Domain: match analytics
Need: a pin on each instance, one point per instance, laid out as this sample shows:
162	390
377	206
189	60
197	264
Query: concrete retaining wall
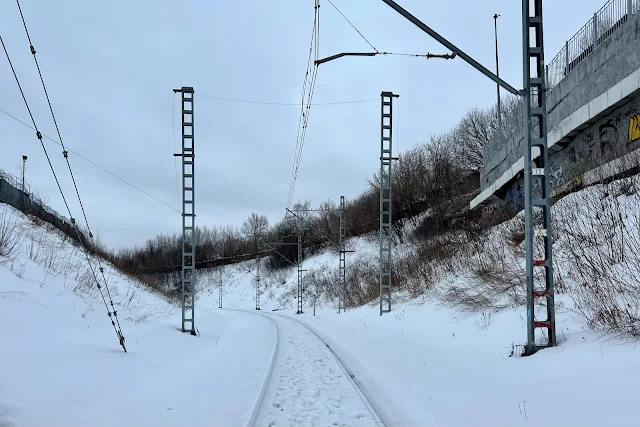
615	59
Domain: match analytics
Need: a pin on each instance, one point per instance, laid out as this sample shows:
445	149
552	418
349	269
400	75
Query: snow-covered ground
424	364
62	364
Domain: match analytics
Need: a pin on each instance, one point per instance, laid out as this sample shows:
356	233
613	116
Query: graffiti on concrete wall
587	149
515	198
634	128
556	177
608	133
490	210
607	139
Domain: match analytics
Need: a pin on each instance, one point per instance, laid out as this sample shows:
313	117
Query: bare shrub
600	251
9	239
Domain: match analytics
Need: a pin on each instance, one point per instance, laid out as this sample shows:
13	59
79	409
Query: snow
63	366
424	364
427	365
309	387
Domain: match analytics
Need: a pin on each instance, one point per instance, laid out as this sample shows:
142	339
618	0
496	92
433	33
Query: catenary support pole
386	229
299	265
535	134
342	285
257	282
188	213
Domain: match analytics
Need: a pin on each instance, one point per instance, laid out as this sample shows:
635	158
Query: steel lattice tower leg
257	283
535	131
386	157
342	286
188	213
299	270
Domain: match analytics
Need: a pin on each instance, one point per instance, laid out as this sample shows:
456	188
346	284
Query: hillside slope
63	366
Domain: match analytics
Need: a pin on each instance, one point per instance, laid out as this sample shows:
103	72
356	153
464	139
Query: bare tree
254	228
474	131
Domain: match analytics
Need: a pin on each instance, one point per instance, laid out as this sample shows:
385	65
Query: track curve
374	410
263	391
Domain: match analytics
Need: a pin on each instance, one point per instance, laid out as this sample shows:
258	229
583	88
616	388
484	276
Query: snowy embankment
62	364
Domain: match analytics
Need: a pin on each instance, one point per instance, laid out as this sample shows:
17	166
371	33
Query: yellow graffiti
634	128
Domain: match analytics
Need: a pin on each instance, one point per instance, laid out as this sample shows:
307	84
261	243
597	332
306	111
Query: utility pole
24	163
535	136
188	212
386	223
495	20
257	282
342	286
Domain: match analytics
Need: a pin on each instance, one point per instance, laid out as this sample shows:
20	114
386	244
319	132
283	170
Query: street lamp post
24	163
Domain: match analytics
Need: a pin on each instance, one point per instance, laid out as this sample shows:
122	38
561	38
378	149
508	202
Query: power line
73	179
305	110
117	329
247	101
64	151
427	55
38	134
80	238
90	161
354	27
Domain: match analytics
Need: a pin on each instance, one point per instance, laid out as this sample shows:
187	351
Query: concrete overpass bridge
593	107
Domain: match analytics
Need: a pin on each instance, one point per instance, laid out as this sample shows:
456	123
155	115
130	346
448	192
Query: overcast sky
110	68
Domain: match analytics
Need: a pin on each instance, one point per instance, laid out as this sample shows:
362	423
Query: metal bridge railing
14	181
604	22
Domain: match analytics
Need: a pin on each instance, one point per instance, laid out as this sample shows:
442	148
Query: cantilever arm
340	55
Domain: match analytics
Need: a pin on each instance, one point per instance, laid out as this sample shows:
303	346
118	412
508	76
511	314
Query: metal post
595	31
566	57
535	133
546	76
257	282
299	268
342	285
495	19
188	212
314	305
386	158
629	9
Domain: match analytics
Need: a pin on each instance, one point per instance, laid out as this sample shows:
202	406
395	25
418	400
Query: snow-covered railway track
259	401
375	412
305	387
